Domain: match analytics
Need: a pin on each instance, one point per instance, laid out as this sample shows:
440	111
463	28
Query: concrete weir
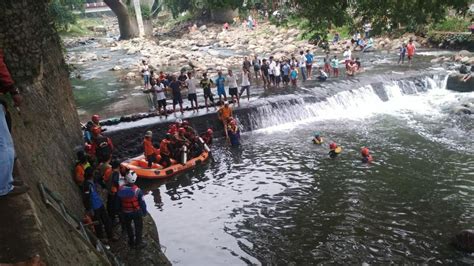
128	136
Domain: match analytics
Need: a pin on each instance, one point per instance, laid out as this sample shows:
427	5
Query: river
280	200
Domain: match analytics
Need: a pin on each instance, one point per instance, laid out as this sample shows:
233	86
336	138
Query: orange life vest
148	146
164	149
129	198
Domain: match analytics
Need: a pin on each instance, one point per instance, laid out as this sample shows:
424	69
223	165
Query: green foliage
146	12
62	12
385	15
195	6
455	24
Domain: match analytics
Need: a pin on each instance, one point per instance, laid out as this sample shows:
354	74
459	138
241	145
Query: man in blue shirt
309	63
95	207
286	73
220	83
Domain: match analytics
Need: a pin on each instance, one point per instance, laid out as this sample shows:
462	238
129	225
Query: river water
280	200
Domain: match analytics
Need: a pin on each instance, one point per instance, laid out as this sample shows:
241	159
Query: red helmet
95	119
88	148
209	131
181	130
96	131
364	151
332	146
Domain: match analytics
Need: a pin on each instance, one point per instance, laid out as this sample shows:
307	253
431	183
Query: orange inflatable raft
140	166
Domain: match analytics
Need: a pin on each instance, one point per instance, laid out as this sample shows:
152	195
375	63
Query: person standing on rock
220	83
286	72
146	74
192	96
233	87
175	86
309	63
245	84
8	187
410	51
246	64
133	209
401	53
256	66
271	68
302	64
347	56
335	66
277	73
159	90
206	85
367	29
265	74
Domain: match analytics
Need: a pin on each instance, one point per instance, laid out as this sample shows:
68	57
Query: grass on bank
452	24
80	28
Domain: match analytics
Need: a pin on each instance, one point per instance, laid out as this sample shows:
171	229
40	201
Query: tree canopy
62	12
178	6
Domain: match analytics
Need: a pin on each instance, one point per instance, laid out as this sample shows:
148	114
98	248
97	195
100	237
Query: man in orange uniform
410	51
150	150
224	114
81	165
165	151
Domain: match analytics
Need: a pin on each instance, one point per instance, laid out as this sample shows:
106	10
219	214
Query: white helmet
131	177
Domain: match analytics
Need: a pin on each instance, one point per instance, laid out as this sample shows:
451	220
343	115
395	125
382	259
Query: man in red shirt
8	187
410	51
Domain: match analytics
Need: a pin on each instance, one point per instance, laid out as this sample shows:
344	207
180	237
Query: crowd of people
110	195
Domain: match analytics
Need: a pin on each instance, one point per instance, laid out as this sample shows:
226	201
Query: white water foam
403	98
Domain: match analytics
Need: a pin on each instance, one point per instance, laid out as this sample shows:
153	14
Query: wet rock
100	29
464	53
116	68
131	75
203	28
464	59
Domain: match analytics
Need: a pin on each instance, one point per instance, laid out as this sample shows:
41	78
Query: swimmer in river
366	157
334	150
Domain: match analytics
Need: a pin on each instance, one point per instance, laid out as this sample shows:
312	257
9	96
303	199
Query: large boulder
464	53
456	84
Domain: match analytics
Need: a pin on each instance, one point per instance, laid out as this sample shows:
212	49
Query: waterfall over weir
347	104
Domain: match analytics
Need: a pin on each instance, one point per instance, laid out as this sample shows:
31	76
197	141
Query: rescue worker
133	209
112	184
190	132
366	157
88	132
81	165
165	151
207	136
95	207
102	147
224	113
334	150
150	150
234	133
317	138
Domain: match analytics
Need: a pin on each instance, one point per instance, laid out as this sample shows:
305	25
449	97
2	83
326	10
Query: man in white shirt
302	64
192	97
271	69
347	56
245	84
233	88
277	73
159	95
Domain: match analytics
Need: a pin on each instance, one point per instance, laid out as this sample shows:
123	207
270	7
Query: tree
121	10
62	12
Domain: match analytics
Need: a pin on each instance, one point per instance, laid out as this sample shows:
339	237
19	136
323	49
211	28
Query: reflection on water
280	200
